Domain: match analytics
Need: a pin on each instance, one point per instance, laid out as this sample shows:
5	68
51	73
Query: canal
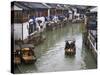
51	57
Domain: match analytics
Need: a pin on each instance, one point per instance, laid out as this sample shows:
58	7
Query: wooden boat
70	51
28	55
17	59
70	48
16	53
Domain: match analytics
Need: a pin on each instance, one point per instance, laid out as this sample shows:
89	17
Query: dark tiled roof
19	4
57	6
33	5
29	5
62	5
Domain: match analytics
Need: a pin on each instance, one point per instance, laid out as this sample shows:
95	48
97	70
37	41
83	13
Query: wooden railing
92	42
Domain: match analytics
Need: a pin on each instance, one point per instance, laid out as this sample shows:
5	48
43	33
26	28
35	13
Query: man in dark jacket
72	45
67	45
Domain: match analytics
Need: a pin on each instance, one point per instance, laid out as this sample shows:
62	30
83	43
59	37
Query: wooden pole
22	26
49	14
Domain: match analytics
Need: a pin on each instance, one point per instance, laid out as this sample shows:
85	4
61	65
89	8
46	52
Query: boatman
67	45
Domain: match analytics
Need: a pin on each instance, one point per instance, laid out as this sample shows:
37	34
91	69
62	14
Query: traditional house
37	9
65	9
22	12
19	20
55	9
91	30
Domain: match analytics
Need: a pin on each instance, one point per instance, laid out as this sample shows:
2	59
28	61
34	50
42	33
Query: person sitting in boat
72	45
67	45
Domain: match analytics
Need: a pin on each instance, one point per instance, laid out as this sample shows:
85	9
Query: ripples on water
51	56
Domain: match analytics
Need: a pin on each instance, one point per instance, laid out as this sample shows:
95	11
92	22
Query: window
19	16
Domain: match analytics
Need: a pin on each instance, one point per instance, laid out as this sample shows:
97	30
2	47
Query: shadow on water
88	58
69	56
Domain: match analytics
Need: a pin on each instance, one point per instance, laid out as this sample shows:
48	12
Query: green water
51	57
